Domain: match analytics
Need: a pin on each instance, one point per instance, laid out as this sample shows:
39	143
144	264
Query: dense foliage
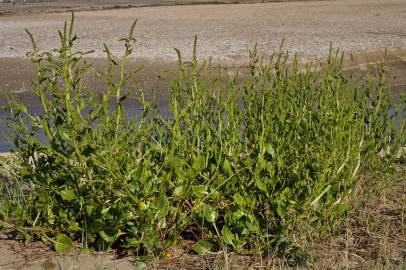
239	163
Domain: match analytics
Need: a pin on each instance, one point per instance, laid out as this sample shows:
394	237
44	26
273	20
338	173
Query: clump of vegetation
238	164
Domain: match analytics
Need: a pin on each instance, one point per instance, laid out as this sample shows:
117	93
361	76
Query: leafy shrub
239	162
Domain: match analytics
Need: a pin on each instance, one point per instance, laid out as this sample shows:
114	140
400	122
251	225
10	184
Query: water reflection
150	79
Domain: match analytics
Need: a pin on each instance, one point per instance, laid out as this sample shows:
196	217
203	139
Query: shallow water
132	109
16	74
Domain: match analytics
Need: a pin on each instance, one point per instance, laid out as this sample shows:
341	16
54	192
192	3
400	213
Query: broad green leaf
202	247
239	199
209	213
152	241
74	226
178	191
67	194
262	162
200	190
162	205
89	209
142	206
198	163
62	243
27	236
260	185
43	197
105	210
107	238
270	150
228	236
63	134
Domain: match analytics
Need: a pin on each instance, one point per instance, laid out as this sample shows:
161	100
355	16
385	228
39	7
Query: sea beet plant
240	163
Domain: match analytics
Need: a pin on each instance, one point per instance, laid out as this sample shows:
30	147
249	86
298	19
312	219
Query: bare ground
225	32
20	7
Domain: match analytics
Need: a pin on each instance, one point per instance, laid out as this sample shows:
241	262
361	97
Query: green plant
239	163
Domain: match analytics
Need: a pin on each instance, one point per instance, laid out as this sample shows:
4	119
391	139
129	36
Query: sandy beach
19	7
225	32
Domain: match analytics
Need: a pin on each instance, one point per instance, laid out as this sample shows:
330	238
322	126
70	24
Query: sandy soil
37	256
225	32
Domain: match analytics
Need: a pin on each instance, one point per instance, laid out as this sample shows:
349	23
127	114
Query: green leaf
227	167
162	223
151	241
107	238
262	162
202	247
142	206
67	194
105	210
228	236
178	191
198	163
209	213
239	199
162	206
62	243
74	226
43	197
200	190
27	236
270	150
260	185
89	209
63	134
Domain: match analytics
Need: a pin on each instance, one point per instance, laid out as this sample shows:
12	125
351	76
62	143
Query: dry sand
18	7
225	32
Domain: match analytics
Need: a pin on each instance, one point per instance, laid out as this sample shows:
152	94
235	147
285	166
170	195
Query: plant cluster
239	163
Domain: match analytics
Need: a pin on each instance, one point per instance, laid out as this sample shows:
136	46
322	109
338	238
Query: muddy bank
17	73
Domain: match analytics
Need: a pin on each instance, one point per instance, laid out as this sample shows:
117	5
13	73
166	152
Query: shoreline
16	68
